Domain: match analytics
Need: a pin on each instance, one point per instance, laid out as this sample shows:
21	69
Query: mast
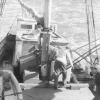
46	32
47	13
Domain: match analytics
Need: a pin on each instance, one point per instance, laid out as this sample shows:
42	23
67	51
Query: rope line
87	52
94	25
84	56
87	14
86	44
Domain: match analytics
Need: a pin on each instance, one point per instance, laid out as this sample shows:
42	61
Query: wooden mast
45	39
46	35
47	13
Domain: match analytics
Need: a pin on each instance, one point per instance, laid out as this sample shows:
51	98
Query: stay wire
86	44
87	9
84	57
87	51
94	26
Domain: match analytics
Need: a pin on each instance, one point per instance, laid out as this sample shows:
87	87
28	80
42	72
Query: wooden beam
47	13
8	74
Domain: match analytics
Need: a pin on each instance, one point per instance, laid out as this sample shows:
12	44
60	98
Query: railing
16	87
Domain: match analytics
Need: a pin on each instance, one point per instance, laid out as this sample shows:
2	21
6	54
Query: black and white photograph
49	50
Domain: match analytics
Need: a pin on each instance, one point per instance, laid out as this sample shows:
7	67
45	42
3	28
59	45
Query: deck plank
32	92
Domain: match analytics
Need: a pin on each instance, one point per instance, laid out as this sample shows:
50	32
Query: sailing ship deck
34	91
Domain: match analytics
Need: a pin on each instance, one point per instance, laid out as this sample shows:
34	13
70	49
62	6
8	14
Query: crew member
65	57
63	63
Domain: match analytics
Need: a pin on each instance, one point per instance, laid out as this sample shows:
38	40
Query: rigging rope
88	51
87	9
28	9
94	26
86	44
31	12
84	57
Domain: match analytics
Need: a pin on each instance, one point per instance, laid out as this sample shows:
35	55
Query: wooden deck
60	94
33	91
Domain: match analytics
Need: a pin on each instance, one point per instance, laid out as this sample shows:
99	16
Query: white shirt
64	55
